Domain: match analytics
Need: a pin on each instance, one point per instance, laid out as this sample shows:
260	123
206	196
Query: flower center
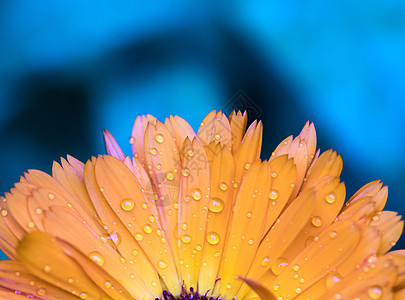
188	295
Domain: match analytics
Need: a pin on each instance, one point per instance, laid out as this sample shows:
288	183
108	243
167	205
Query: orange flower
199	216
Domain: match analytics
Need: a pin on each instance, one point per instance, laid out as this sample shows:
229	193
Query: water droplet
273	194
332	280
70	280
274	174
131	140
247	166
41	291
375	292
127	204
4	212
279	265
330	198
223	186
152	218
217	136
97	258
158	166
153	151
184	226
138	236
251	242
160	138
333	234
186	239
190	152
276	287
249	214
376	218
135	252
298	290
162	264
213	238
51	196
83	296
292	185
185	172
30	224
265	261
169	175
296	268
196	194
216	205
147	228
107	284
316	221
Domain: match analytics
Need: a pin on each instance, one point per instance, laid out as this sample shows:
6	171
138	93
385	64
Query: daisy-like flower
199	216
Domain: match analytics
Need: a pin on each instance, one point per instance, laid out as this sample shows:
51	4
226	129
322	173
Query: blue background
70	68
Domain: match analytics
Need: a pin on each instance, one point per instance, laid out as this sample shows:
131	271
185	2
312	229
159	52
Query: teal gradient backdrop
71	68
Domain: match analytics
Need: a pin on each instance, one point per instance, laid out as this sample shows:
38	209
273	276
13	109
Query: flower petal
193	210
238	122
219	212
261	291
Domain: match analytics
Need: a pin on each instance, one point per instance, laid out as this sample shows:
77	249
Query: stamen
188	295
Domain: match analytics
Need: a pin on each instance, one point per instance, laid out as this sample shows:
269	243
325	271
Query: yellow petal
249	150
215	127
246	228
237	122
261	291
219	211
315	261
193	210
164	168
123	193
42	256
390	226
137	139
179	129
16	282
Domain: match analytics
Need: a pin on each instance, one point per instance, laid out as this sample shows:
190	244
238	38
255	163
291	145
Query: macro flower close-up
199	215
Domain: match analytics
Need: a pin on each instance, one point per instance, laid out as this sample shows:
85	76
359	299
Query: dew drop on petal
83	296
247	166
4	212
216	205
162	264
213	238
169	175
138	236
196	194
332	279
190	152
51	196
127	204
186	239
273	194
333	234
107	284
97	258
316	221
265	261
153	151
330	198
279	265
185	172
160	138
47	268
147	228
223	186
184	226
41	291
375	292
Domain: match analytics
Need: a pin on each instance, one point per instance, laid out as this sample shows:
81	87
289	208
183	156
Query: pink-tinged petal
112	147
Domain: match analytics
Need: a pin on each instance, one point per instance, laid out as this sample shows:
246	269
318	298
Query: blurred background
68	69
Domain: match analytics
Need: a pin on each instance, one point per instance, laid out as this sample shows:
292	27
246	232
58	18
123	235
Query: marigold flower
199	216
